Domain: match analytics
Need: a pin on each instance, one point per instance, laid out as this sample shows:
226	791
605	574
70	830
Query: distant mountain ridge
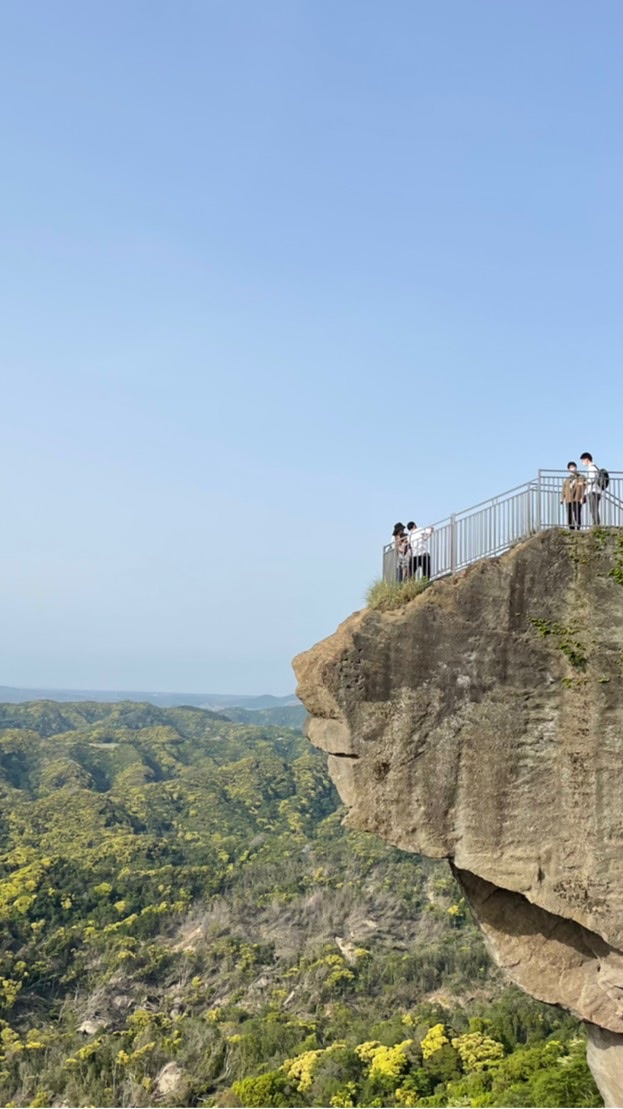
212	701
281	716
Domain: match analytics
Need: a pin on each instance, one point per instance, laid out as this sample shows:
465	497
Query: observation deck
492	527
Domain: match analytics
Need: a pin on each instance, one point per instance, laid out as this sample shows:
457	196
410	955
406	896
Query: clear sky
275	274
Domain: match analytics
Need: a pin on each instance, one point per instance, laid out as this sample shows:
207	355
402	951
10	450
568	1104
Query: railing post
453	543
538	501
390	564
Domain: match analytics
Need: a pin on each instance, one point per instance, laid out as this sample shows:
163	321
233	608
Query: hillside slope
185	920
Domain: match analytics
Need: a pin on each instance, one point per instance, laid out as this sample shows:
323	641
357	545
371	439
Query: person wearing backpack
597	481
573	496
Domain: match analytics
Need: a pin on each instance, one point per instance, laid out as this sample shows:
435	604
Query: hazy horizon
134	689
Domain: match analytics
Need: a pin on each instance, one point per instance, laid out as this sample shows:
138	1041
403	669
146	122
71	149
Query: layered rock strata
483	723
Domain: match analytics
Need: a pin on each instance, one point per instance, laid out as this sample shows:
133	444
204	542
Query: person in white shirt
593	492
418	542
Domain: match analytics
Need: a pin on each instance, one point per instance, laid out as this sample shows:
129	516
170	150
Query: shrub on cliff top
386	595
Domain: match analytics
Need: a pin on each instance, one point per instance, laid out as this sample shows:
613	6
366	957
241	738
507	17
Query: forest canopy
185	917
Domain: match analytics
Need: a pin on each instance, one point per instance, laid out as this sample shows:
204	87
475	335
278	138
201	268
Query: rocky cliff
483	723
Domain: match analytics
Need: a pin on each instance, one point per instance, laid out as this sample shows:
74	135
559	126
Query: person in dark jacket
401	545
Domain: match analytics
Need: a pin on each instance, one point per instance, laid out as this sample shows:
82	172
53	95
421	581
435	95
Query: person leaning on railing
573	491
418	542
401	546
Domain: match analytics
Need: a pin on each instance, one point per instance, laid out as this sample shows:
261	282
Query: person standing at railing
573	491
593	487
401	546
418	543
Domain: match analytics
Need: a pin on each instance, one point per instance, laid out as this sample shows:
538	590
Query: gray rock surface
604	1053
483	723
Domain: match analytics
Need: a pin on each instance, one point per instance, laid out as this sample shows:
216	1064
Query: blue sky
274	275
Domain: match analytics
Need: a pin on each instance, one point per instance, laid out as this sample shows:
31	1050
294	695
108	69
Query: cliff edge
483	723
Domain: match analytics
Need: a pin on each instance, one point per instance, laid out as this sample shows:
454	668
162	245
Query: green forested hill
286	716
185	921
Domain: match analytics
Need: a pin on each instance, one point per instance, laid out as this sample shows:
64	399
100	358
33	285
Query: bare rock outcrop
483	723
169	1081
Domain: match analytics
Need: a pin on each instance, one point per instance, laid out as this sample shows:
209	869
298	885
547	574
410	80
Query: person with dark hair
418	543
593	489
573	496
401	546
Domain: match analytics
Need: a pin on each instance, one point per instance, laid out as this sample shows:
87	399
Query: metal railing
491	527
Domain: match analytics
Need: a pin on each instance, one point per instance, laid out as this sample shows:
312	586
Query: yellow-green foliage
301	1069
173	881
262	1090
384	1062
457	911
345	1097
406	1098
434	1039
477	1051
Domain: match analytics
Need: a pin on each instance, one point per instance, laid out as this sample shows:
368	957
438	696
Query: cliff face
483	722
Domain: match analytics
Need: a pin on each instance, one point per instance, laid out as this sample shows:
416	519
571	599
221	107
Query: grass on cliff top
385	595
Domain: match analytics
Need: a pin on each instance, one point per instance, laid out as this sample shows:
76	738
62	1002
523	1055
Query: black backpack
603	479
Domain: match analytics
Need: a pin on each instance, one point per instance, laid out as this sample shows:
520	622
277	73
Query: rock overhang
483	722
